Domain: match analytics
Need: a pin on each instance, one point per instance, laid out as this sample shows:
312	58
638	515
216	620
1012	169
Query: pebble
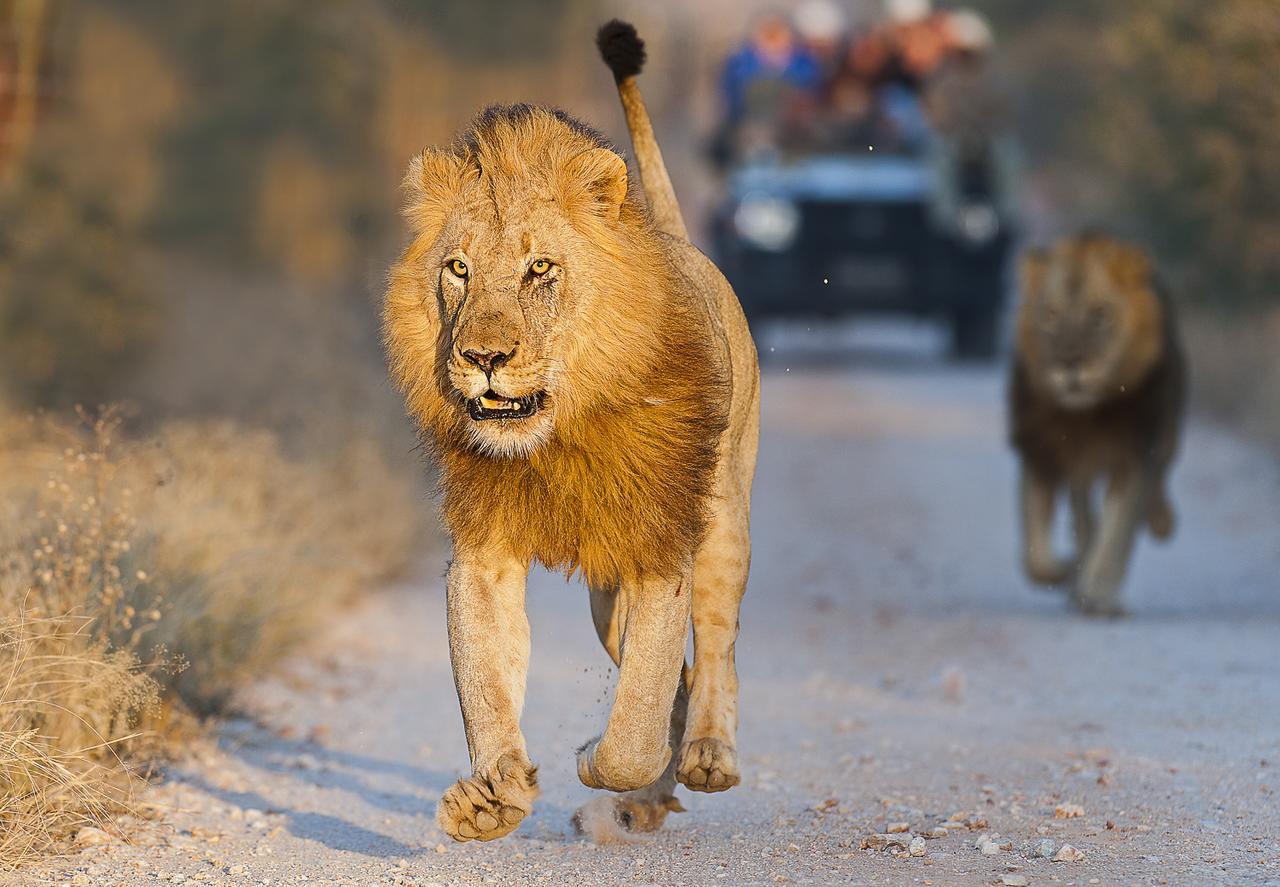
1068	811
1014	880
939	832
81	880
916	847
897	828
1067	853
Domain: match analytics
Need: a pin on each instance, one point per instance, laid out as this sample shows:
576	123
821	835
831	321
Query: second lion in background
1096	398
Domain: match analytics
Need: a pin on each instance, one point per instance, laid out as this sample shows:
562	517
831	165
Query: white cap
970	31
819	20
905	11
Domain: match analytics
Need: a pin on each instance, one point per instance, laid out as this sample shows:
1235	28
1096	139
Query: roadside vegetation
143	579
158	555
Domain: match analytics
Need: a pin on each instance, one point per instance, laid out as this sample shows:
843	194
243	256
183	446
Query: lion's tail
623	51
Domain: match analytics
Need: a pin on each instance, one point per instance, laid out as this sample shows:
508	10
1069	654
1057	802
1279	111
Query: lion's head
1089	327
507	315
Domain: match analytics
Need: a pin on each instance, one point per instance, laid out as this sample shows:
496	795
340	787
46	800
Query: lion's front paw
490	804
1098	608
708	765
601	765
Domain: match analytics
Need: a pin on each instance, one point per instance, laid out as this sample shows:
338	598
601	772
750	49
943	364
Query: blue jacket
746	66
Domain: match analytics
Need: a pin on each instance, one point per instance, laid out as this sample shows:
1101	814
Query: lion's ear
1031	273
1130	266
603	175
432	186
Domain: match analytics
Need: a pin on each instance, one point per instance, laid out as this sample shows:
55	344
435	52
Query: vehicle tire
974	332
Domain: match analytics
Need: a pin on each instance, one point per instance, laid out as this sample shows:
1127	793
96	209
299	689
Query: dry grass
139	577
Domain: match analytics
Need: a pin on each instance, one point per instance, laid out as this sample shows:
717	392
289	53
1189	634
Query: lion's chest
606	514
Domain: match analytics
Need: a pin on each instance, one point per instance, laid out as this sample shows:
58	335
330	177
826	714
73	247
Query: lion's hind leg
708	760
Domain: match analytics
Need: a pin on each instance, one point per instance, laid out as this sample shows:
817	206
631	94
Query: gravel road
895	669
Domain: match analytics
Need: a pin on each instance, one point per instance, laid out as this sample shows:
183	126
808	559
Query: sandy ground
895	669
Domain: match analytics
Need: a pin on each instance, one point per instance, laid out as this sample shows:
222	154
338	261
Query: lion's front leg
489	648
1123	509
653	625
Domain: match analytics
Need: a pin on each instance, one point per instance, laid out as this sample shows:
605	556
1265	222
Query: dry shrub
142	575
73	689
254	549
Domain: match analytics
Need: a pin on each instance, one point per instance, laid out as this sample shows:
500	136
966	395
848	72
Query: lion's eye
540	267
458	268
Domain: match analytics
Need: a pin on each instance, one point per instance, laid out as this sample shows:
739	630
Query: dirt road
895	668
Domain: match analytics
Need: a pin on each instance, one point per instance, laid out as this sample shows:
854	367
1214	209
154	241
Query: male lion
586	380
1096	394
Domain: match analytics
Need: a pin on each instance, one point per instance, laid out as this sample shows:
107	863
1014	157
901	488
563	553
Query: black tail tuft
621	48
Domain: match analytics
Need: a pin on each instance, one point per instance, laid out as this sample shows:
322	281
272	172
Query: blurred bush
1159	119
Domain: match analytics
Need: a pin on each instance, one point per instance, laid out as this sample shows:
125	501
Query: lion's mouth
491	405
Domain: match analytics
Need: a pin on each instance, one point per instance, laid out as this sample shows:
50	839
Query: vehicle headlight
767	222
978	223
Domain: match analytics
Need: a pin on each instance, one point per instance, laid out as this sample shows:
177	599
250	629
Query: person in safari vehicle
887	186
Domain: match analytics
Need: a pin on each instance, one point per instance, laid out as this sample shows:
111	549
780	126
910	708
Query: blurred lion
1096	396
586	379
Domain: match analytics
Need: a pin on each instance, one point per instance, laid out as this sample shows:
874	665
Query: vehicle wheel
974	333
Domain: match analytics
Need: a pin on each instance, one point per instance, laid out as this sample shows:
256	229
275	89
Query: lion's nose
488	360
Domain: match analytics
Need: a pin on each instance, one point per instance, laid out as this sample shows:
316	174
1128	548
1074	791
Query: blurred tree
262	75
1160	119
489	31
75	317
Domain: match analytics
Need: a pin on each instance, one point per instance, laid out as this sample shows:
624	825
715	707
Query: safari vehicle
839	234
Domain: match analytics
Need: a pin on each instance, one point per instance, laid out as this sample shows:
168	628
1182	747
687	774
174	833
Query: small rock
938	832
916	847
880	842
81	880
991	848
1068	811
1043	849
953	685
897	828
1067	853
236	870
91	837
1014	880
